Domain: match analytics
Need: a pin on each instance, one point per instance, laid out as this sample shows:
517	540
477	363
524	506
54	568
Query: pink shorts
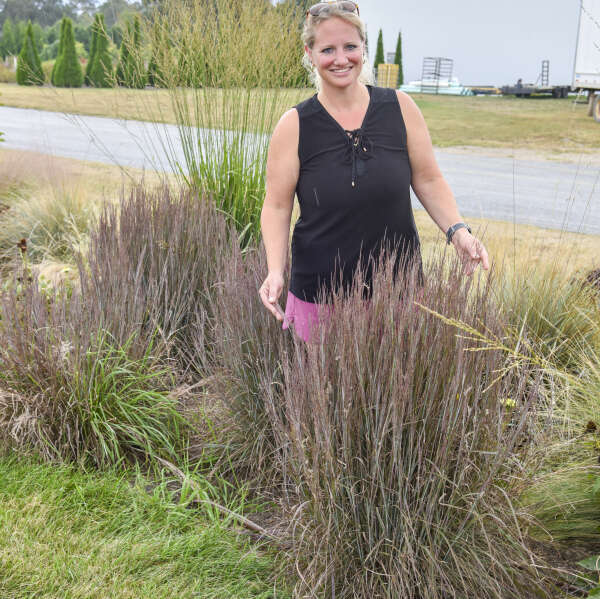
303	315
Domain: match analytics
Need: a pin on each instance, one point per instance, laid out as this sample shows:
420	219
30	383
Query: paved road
550	194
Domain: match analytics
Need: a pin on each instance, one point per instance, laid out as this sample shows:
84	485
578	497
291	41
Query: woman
350	153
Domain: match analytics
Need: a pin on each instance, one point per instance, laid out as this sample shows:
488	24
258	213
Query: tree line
102	56
47	12
68	70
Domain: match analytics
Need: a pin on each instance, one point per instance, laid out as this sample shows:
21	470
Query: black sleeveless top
354	194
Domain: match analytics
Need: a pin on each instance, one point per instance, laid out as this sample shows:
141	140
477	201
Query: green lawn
542	124
66	534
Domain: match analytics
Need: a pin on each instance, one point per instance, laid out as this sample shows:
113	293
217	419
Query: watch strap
450	232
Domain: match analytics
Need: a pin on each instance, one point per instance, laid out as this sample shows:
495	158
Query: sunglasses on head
346	5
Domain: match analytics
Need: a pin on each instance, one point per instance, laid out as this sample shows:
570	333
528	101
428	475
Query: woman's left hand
470	250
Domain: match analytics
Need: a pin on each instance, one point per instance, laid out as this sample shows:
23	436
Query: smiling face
337	52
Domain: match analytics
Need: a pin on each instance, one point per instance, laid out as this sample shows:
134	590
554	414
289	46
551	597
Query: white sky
491	43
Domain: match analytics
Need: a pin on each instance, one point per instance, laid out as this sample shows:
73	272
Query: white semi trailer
586	74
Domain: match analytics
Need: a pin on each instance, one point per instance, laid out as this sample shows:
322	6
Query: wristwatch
450	232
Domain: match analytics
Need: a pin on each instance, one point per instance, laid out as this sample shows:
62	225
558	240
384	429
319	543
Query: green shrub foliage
136	63
69	72
9	41
130	71
123	65
101	70
29	65
61	46
160	49
88	66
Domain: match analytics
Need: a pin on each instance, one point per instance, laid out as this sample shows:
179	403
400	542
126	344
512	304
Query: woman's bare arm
283	167
432	189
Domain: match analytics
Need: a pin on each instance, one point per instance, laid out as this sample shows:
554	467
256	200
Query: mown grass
540	124
65	533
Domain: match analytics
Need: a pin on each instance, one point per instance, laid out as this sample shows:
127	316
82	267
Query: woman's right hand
270	292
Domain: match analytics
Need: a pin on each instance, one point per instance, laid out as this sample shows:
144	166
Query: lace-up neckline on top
359	146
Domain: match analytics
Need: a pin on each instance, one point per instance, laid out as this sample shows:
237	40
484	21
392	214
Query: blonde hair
309	34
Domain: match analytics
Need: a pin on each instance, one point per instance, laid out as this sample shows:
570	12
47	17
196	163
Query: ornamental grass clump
229	68
87	369
246	368
560	312
71	392
52	223
406	442
152	265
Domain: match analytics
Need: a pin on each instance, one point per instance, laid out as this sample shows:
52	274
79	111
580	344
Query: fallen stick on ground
244	521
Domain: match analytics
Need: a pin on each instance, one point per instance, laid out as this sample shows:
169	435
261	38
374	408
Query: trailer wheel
596	108
565	92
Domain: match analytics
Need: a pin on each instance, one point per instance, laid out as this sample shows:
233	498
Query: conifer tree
135	57
38	36
130	72
69	73
92	53
101	70
398	59
20	30
29	66
379	58
155	75
9	40
61	45
122	74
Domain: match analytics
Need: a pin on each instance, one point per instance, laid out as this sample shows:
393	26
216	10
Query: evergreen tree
101	70
38	36
29	66
69	73
379	58
92	53
20	30
398	59
61	45
9	40
123	75
135	57
130	72
160	52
